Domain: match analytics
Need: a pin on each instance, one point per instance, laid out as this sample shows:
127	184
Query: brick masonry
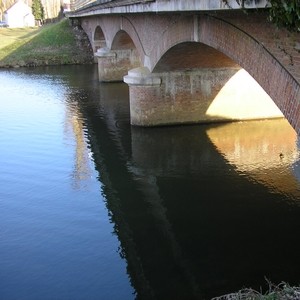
163	42
199	96
113	66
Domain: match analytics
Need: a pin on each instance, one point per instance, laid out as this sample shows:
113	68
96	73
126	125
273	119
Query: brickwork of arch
242	48
111	27
251	55
98	39
94	28
154	35
127	27
98	34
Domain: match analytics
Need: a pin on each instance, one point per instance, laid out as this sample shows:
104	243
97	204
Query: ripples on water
92	208
56	236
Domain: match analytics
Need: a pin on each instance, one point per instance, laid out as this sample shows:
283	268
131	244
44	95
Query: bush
286	13
282	291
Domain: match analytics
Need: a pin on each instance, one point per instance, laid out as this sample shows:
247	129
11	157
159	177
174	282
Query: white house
19	15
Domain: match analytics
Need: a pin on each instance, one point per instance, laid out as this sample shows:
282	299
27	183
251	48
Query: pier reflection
200	210
266	151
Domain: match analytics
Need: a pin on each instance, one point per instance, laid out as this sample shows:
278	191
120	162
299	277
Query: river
93	208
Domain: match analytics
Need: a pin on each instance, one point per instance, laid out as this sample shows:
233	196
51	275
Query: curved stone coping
141	76
105	52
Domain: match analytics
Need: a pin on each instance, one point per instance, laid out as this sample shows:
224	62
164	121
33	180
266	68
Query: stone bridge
196	61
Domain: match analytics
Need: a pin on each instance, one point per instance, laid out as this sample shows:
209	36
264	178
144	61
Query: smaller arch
98	39
127	37
125	48
114	63
122	41
236	44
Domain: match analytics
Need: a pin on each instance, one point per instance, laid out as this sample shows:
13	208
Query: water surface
57	238
92	208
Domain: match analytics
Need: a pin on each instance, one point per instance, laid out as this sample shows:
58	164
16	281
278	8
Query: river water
92	208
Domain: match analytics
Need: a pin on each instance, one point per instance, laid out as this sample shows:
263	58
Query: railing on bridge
91	7
79	4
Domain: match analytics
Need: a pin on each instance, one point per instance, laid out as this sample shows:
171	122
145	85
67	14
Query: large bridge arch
154	35
251	55
241	48
192	55
224	90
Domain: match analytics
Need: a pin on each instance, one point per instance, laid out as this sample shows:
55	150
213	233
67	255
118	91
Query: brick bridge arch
153	36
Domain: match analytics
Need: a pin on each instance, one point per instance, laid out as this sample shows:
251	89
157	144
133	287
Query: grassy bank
52	44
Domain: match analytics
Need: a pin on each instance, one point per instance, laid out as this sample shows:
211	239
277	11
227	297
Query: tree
37	10
286	13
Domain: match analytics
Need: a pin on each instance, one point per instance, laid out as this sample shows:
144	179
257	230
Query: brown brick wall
254	55
203	96
114	68
271	55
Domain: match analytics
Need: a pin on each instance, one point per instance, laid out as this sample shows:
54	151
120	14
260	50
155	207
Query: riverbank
52	44
283	291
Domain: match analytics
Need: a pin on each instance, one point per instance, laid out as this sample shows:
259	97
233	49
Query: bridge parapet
101	7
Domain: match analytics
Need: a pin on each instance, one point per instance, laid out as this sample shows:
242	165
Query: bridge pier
196	96
113	65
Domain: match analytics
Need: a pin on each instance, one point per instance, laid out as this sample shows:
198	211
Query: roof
19	3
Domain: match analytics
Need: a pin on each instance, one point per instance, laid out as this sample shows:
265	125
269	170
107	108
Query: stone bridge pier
199	67
113	65
200	96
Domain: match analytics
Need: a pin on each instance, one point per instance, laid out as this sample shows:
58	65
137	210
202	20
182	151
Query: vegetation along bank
52	44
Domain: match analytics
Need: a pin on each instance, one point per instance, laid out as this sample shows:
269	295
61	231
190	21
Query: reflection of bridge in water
253	148
258	149
184	230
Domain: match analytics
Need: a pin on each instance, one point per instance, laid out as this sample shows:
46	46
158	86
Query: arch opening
126	51
122	41
221	89
99	39
114	63
192	55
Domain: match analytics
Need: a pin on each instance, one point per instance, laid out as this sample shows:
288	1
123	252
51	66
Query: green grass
49	45
9	36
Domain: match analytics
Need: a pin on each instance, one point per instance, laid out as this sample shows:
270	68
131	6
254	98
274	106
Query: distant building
66	6
19	15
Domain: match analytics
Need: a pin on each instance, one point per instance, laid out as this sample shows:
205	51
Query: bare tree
4	5
52	8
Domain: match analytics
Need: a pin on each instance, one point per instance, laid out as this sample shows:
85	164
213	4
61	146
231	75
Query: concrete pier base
113	65
196	96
